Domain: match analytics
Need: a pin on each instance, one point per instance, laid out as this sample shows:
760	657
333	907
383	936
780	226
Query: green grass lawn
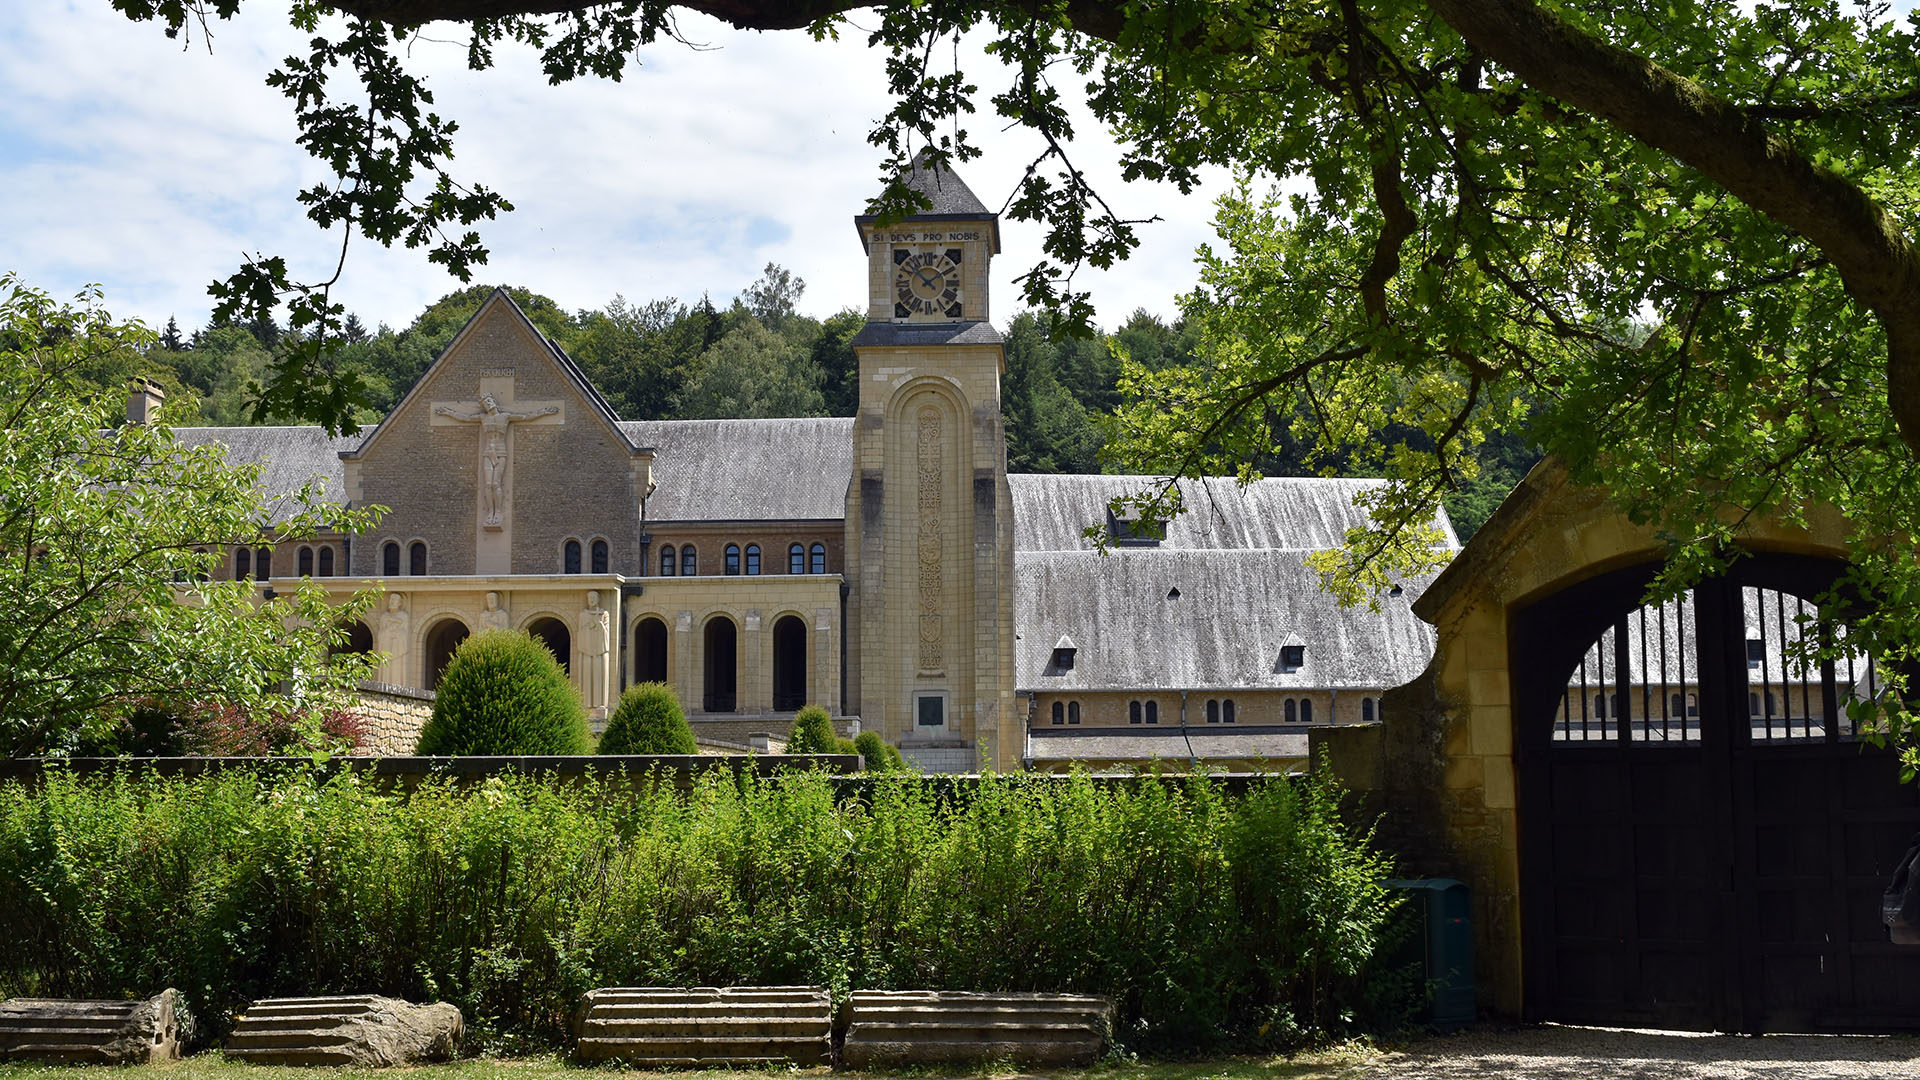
1322	1065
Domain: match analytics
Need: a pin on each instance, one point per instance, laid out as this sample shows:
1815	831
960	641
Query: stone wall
393	716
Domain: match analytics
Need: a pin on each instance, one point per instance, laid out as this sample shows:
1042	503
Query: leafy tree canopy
1667	241
109	536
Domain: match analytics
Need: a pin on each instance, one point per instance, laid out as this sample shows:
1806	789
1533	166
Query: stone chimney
143	401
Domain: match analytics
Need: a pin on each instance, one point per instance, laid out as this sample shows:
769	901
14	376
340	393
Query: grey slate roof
1224	630
1292	513
1169	743
747	470
291	456
950	195
926	335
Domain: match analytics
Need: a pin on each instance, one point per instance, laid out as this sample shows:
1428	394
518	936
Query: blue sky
150	168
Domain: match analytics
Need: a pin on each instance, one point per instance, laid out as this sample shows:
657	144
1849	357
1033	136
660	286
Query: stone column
756	675
685	682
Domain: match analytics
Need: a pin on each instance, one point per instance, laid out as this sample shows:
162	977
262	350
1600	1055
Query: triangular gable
560	360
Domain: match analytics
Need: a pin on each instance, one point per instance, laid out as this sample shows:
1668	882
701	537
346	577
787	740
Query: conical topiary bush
649	720
504	693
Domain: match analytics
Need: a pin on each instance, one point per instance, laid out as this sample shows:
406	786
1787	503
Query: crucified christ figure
493	421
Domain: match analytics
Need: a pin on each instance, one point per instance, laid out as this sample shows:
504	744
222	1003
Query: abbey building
884	566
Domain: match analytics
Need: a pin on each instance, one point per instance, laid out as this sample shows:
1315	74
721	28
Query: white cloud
151	169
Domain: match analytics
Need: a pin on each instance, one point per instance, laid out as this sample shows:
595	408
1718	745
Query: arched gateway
1716	866
1667	817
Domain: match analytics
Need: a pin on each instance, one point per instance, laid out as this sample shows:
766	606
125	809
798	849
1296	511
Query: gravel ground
1552	1052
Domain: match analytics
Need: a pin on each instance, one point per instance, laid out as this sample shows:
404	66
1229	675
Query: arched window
818	559
326	562
1292	712
1133	712
796	559
1153	712
1676	706
1600	706
600	559
1753	704
732	565
306	561
1693	704
390	558
1226	711
1073	712
753	560
201	574
242	564
667	562
417	558
1366	710
263	563
689	562
1059	713
1306	710
570	557
1213	710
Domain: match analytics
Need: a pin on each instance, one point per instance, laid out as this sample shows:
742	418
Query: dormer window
1064	651
1129	527
1292	657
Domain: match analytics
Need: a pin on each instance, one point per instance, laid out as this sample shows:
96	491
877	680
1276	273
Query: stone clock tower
929	549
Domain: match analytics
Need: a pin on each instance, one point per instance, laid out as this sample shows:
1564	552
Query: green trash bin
1442	939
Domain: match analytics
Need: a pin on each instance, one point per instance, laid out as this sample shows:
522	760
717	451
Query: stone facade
515	499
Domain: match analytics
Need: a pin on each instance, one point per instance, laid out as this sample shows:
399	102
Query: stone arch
1443	764
790	662
720	664
552	631
439	642
359	640
651	641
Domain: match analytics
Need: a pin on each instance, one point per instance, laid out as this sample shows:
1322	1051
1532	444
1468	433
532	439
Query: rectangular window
1292	656
931	710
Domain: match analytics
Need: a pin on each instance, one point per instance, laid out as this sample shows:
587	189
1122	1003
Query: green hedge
649	720
1209	916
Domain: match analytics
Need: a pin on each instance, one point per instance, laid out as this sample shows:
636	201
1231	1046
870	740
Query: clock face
926	283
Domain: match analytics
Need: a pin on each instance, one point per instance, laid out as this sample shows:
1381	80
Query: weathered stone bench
93	1032
354	1030
925	1027
706	1025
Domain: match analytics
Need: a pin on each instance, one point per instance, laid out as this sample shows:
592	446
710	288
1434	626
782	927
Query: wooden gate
1703	835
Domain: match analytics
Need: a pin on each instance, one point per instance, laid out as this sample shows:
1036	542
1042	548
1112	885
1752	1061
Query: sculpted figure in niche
394	623
493	421
495	617
596	640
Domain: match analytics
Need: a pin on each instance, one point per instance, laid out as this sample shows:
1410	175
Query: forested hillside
670	359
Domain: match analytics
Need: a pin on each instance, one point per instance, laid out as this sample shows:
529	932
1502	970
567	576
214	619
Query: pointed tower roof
952	199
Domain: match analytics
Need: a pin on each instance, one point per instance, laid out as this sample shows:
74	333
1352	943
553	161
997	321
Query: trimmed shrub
812	733
1215	920
878	754
649	720
504	693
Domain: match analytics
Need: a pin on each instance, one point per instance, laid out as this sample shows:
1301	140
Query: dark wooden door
1703	835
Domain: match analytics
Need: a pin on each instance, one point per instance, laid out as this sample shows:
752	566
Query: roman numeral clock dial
926	283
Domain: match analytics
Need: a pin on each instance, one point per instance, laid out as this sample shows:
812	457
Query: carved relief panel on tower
931	477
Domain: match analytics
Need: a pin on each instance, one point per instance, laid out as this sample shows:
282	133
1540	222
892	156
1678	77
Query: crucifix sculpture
493	421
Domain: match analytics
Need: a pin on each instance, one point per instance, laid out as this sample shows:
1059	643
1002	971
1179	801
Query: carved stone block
358	1030
888	1028
94	1032
706	1025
